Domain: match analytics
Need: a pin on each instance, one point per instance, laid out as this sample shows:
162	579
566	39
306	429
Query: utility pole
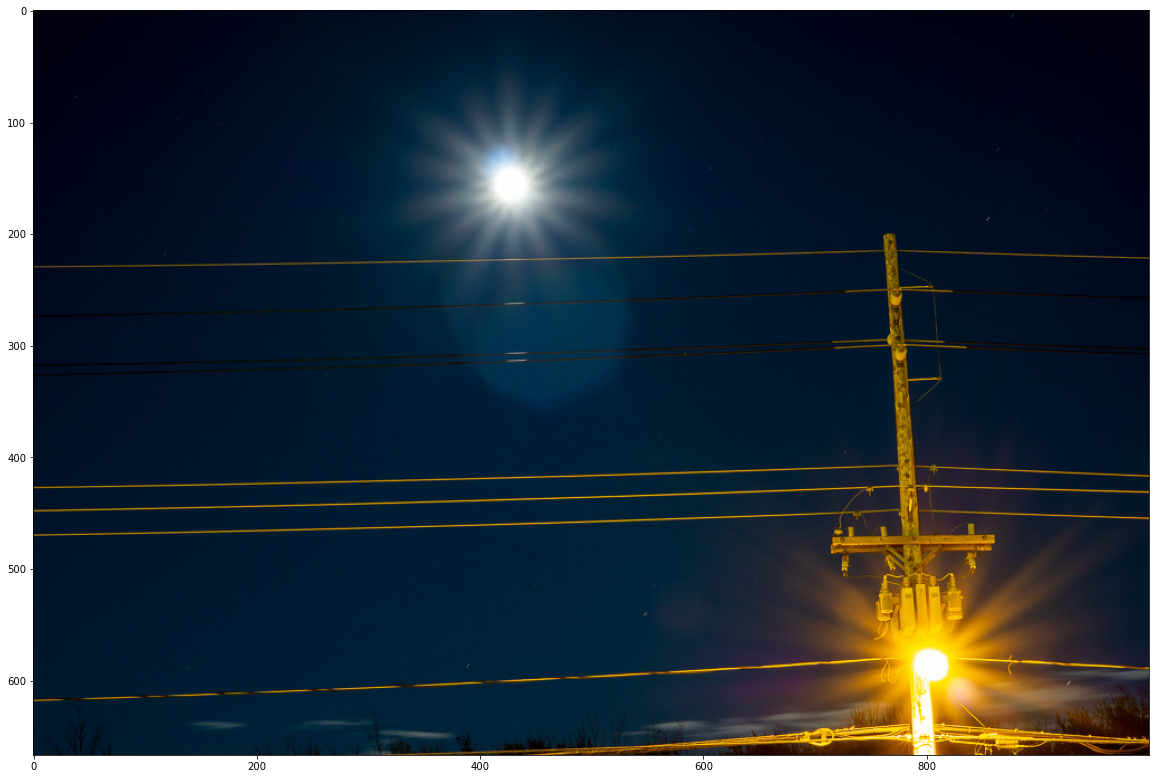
919	612
904	436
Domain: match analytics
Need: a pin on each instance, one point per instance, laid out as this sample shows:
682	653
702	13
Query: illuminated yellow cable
431	262
1027	514
628	674
456	500
555	522
1022	470
815	738
570	476
461	478
577	497
969	734
1034	489
1009	661
455	526
1020	254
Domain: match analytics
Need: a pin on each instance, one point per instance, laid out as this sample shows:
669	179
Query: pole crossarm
884	544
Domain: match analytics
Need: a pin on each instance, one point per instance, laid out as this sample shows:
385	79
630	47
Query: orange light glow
922	721
931	664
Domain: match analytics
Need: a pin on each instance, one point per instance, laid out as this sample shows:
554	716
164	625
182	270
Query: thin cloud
428	735
735	727
213	725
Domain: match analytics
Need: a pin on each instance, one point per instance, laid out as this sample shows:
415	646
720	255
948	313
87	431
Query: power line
466	478
1141	351
820	738
1027	514
933	468
652	299
1032	489
460	305
563	259
457	362
1001	738
596	354
1005	738
541	523
629	674
451	527
444	501
518	355
1009	662
438	262
1021	254
504	304
1023	470
463	500
1024	294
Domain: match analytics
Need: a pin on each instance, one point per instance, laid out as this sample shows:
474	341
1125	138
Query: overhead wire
1013	738
466	478
429	685
1031	489
1009	661
819	738
592	354
537	523
833	345
1044	348
540	523
679	349
439	262
933	468
1024	294
563	259
1026	470
1029	514
507	304
584	677
444	501
515	304
1024	254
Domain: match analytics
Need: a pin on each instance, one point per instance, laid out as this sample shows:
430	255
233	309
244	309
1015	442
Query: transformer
906	611
934	609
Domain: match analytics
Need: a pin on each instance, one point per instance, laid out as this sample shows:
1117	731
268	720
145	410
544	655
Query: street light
931	663
927	666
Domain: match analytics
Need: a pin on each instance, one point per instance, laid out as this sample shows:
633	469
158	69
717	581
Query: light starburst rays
508	175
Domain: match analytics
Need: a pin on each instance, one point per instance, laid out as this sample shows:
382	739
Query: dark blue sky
252	138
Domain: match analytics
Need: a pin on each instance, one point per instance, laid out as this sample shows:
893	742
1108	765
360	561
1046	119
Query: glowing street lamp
928	665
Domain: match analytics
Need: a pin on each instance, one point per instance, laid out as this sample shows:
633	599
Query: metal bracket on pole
884	544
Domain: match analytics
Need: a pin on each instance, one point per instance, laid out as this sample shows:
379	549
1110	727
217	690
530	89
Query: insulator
954	604
884	605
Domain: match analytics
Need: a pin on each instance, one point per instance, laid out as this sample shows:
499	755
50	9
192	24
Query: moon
510	184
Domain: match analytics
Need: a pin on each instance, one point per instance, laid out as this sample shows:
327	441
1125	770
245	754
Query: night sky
234	138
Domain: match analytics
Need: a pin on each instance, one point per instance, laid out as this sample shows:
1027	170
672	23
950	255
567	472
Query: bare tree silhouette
82	736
